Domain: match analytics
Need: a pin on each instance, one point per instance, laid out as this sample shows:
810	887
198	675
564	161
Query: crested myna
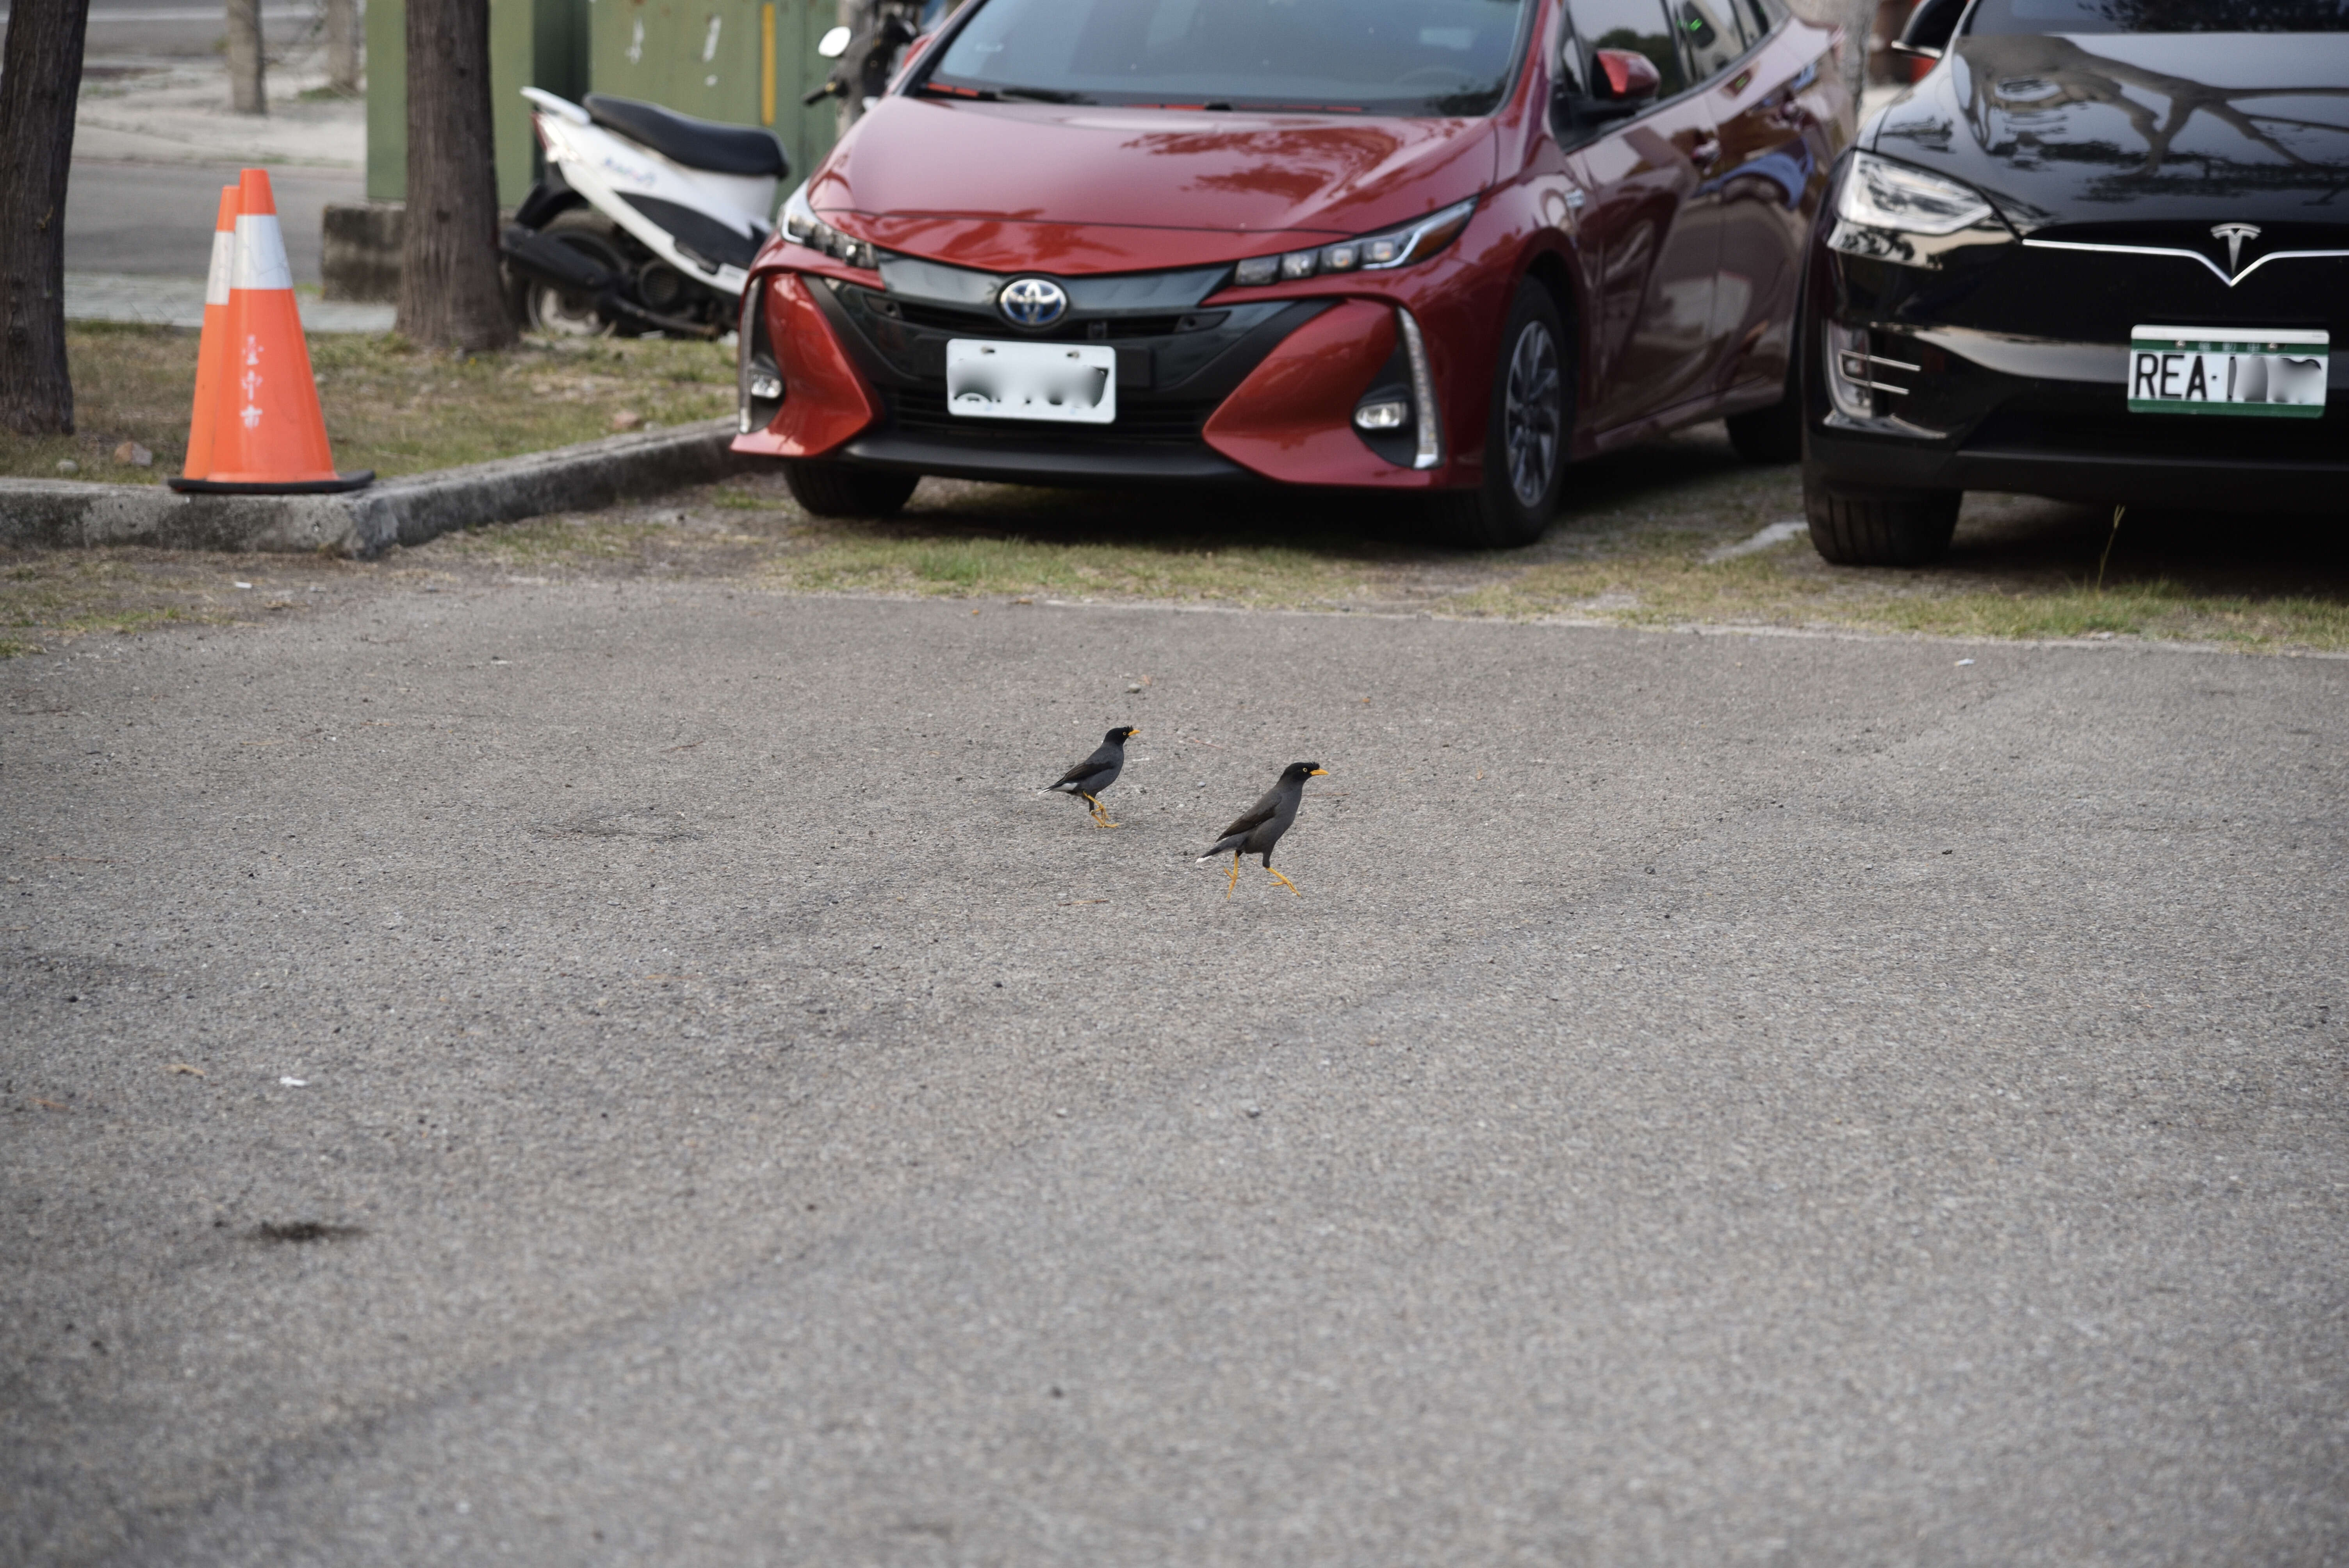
1257	832
1096	773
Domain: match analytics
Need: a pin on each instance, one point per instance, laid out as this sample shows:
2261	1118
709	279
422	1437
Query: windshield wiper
1000	94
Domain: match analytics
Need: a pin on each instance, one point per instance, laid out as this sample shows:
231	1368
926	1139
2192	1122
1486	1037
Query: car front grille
922	411
987	324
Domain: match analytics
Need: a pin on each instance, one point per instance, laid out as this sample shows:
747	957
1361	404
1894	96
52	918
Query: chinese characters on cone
256	428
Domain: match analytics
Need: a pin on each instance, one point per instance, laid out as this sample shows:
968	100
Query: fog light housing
1392	414
1857	373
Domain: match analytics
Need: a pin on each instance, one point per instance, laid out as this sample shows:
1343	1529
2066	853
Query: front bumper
1209	390
2072	437
2006	370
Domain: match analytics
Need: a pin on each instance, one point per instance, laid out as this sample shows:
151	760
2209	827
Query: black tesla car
2099	252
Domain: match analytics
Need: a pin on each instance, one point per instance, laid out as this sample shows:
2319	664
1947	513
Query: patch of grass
729	499
50	597
848	559
389	406
559	542
58	597
1631	548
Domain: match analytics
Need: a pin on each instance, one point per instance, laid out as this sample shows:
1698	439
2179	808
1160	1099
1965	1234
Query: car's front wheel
837	490
1525	440
1879	527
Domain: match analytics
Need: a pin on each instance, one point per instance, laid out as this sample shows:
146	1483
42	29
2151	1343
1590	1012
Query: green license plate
2279	374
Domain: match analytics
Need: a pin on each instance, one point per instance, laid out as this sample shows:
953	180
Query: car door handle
1703	151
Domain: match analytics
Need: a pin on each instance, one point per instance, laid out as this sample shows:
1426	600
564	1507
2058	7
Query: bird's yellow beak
1318	773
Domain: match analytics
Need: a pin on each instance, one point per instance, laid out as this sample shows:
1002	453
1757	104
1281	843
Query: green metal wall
743	61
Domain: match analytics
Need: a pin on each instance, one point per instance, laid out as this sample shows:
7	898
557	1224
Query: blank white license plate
2218	370
1074	382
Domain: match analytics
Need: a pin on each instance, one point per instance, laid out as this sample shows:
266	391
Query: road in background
143	30
634	1072
157	219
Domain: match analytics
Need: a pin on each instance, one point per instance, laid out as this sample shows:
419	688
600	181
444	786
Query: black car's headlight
805	228
1378	252
1893	213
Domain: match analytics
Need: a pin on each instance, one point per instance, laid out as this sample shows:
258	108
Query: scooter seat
705	144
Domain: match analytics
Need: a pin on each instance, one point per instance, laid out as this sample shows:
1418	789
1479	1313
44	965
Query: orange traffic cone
267	436
214	343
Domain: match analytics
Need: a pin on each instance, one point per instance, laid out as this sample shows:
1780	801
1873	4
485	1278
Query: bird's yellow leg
1101	817
1285	881
1236	877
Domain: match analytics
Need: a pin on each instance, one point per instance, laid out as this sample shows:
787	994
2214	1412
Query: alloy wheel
1531	413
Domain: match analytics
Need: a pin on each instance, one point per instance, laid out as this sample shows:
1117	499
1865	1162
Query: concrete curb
65	514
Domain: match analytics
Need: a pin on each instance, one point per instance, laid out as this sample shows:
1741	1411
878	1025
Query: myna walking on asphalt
1096	773
1255	833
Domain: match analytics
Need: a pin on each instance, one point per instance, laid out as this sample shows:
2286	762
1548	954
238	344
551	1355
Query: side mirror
1624	77
835	43
1930	29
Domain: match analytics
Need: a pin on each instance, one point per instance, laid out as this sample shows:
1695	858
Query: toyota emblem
1032	301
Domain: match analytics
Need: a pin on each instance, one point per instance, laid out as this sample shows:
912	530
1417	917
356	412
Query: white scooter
647	219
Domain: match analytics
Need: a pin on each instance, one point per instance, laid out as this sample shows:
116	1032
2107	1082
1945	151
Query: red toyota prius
1442	246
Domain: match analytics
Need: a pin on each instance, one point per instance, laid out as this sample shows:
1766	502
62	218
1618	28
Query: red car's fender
1293	418
828	403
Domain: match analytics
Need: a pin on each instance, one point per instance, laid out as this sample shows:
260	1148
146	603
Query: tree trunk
449	292
40	78
248	93
343	46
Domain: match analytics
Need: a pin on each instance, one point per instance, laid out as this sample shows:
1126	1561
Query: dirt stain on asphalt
280	1232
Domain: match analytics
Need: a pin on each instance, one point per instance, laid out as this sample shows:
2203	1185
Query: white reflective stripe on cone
223	267
261	254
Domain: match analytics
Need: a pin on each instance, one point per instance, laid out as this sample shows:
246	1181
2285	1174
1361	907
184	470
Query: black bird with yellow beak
1255	833
1096	773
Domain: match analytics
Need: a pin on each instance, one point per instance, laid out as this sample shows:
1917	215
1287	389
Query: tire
539	307
1525	436
1879	528
1772	435
837	490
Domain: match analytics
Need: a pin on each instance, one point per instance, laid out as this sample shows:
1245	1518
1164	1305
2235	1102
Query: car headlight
1887	195
805	227
1377	252
1887	211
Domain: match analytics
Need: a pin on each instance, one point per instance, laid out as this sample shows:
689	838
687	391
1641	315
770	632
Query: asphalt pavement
637	1074
156	219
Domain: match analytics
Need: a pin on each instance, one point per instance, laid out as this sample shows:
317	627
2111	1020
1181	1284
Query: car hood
2137	128
1101	189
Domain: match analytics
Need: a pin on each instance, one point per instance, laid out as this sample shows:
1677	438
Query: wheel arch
1557	274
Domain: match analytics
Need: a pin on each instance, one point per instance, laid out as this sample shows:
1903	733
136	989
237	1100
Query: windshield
1375	57
2010	18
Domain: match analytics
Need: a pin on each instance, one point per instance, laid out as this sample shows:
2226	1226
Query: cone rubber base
336	486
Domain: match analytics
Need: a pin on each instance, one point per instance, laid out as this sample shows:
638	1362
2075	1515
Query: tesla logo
1032	301
2235	234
